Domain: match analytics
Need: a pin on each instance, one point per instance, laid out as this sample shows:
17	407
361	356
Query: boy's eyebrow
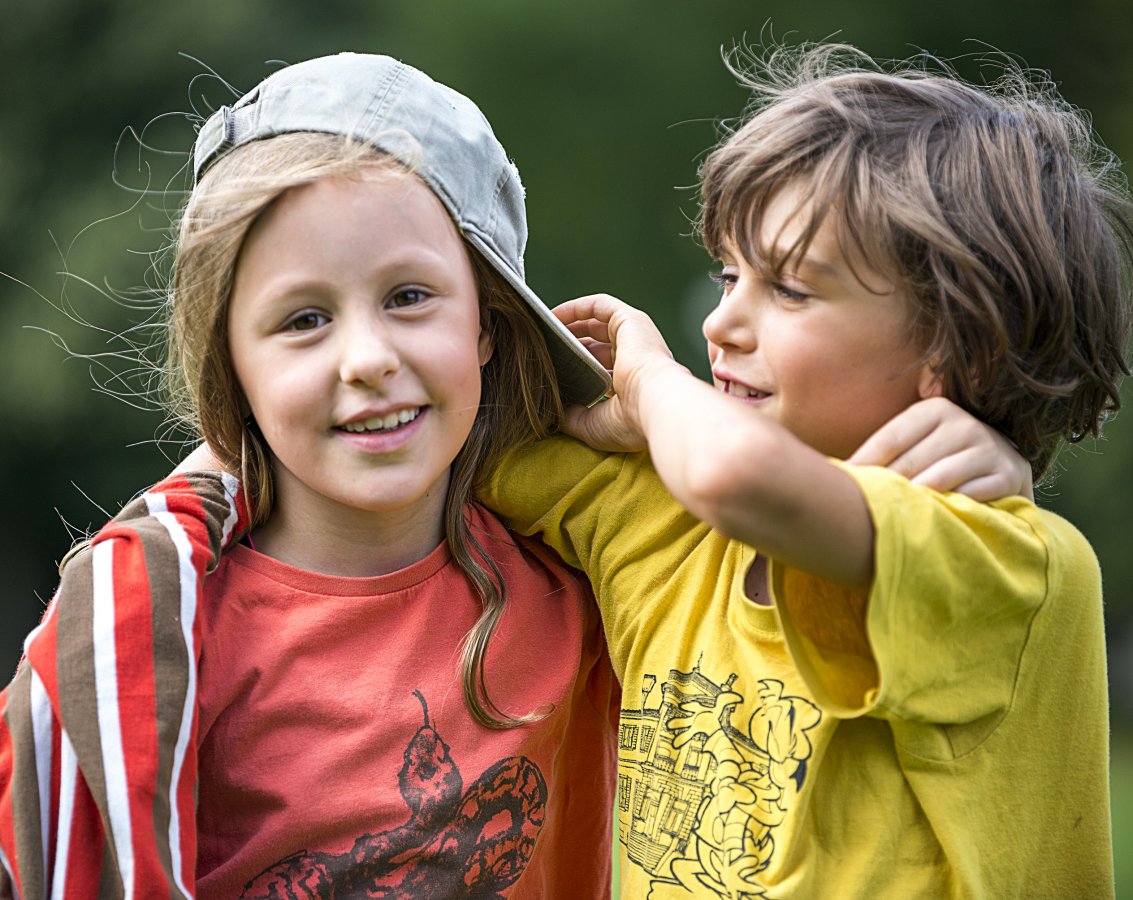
759	257
808	262
819	267
816	265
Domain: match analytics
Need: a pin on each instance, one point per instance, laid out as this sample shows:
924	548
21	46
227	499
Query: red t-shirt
335	747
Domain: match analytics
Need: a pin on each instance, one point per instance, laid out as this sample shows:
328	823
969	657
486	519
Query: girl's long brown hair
519	396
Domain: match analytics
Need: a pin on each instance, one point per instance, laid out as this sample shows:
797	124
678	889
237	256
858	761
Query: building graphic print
705	776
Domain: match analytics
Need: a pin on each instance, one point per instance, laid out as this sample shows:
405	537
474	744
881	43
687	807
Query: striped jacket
98	737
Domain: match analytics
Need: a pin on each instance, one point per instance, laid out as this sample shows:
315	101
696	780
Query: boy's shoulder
931	527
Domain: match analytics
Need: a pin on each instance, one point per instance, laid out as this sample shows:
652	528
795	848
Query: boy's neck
755	583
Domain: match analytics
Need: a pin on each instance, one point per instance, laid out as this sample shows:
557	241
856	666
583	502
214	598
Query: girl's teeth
383	423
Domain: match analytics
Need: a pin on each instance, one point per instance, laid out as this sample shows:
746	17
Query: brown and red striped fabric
98	735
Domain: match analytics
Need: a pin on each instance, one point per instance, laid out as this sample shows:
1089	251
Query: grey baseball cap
441	135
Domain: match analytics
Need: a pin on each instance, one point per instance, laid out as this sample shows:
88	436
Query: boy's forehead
787	227
794	233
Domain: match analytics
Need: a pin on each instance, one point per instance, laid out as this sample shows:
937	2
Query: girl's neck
333	540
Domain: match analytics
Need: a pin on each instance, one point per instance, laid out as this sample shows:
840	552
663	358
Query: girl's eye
408	297
306	321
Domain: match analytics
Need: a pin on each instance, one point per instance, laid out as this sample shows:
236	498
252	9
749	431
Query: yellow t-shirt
944	736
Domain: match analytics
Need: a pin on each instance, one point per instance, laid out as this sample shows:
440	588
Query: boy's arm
742	473
729	465
562	491
977	573
99	734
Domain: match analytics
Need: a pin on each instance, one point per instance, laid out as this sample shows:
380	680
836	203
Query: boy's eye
407	297
306	321
726	280
789	293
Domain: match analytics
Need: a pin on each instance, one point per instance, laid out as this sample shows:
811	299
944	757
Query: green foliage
605	106
1121	786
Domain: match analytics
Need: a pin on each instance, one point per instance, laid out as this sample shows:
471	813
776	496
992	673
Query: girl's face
354	330
829	357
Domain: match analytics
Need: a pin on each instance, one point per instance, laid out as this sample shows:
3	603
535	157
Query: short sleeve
941	632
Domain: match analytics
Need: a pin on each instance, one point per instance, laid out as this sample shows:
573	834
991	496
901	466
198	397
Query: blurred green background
605	105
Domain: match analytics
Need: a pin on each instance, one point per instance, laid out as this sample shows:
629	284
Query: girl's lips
383	440
381	424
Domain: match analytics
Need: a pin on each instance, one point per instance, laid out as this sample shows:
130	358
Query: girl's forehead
371	201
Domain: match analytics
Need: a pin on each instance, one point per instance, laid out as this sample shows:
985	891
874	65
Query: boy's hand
626	341
604	427
937	444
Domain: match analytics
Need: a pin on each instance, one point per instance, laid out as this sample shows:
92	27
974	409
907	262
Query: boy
901	693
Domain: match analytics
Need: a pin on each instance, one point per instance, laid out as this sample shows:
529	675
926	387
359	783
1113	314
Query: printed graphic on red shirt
454	843
701	795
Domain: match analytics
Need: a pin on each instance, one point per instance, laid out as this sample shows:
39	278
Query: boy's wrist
656	385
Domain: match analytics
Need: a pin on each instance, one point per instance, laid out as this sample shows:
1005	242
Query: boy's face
826	348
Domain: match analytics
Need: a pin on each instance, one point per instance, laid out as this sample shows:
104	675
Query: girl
383	692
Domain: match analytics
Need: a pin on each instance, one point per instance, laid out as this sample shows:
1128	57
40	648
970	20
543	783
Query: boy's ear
930	384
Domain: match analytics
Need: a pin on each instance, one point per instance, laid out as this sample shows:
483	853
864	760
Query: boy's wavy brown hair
519	393
994	208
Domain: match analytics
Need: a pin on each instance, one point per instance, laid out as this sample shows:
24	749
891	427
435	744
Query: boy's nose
727	326
368	355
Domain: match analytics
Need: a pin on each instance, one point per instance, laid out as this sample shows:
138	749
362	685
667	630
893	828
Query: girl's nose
369	355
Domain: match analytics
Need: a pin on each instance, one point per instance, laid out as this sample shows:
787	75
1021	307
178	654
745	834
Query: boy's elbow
708	480
726	484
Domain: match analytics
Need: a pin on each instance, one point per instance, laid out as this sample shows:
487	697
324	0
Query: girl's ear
485	344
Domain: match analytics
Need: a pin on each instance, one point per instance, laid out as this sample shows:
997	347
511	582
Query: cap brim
582	379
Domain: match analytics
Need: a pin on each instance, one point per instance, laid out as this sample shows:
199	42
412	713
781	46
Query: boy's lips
742	391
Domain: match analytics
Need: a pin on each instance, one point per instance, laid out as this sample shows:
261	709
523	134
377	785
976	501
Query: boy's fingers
600	350
602	427
915	432
572	420
894	442
593	306
963	467
947	474
984	488
589	328
970	471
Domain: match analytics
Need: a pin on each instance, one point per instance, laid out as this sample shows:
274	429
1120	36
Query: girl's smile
384	423
383	434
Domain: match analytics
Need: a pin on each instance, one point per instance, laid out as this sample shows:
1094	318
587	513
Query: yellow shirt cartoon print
700	790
